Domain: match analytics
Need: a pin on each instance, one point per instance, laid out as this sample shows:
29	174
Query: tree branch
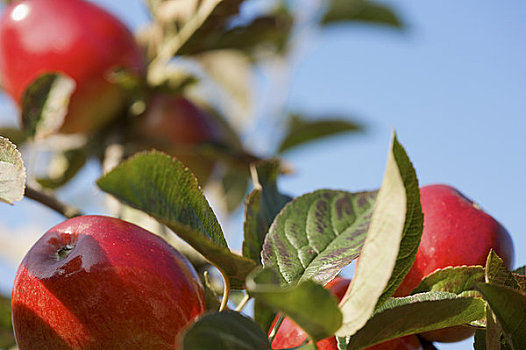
51	202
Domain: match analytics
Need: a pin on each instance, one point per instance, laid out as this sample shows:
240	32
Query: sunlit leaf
451	279
497	272
391	243
12	172
162	187
45	104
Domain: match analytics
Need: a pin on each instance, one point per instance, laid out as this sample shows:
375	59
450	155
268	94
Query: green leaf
302	130
227	330
318	234
416	314
235	184
263	315
391	243
261	207
519	275
7	338
520	271
456	280
509	307
297	302
15	135
63	167
12	172
162	187
497	273
361	11
480	340
45	104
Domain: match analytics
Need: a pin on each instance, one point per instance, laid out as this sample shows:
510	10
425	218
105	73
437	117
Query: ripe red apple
174	124
290	335
95	282
73	37
456	232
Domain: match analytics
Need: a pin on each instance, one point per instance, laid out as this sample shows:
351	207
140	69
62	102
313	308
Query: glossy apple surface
73	37
95	282
174	124
290	335
456	232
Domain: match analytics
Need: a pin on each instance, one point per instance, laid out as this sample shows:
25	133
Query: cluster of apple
84	42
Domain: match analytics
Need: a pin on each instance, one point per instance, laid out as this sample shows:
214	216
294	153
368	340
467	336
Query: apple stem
51	202
243	303
226	291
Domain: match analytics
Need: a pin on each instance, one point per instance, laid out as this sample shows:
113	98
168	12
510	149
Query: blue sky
452	85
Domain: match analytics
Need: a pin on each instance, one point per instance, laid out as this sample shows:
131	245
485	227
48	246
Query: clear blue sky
453	86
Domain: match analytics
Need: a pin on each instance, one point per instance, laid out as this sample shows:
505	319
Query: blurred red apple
456	232
176	125
290	335
73	37
95	282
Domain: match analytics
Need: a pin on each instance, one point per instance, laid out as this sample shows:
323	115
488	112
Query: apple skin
95	282
456	232
290	335
73	37
173	124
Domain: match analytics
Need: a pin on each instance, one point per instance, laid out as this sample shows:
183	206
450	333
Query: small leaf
63	167
391	243
7	338
227	330
261	207
520	271
297	303
497	273
318	234
162	187
45	104
12	172
302	130
509	306
361	11
416	314
456	280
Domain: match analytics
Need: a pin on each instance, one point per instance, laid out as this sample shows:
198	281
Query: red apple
174	124
456	232
73	37
95	282
290	335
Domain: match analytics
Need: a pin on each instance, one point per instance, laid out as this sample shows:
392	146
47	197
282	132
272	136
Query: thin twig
51	202
243	303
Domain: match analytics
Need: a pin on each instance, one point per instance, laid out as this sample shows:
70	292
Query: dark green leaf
7	338
15	135
360	11
509	307
162	187
12	172
261	207
318	234
391	243
521	270
416	314
45	104
302	130
71	162
227	330
235	186
493	331
297	302
480	339
263	315
452	279
497	273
